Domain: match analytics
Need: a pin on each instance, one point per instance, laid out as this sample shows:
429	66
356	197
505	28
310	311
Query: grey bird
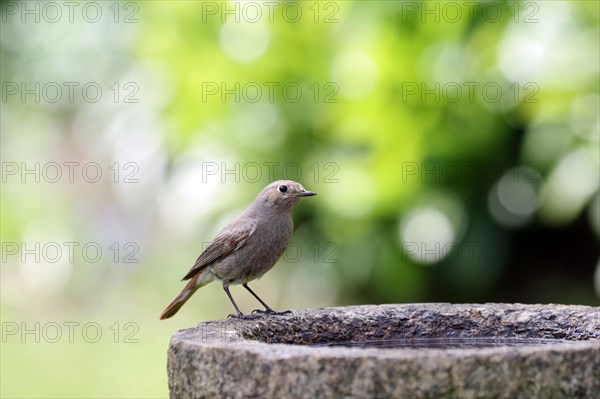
247	247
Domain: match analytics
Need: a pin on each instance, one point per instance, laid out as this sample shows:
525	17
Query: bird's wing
228	240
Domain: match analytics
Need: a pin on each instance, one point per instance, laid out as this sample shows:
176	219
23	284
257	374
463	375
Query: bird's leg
226	288
268	309
239	313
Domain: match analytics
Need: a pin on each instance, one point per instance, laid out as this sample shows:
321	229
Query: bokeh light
514	198
355	73
570	186
244	41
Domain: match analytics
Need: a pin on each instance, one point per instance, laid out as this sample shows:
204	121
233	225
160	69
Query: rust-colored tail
198	281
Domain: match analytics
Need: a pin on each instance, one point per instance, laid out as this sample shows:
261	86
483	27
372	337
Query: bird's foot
244	316
270	312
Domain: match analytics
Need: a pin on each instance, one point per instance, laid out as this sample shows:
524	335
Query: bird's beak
306	193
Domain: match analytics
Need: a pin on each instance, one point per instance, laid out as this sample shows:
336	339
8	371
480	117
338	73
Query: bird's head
283	194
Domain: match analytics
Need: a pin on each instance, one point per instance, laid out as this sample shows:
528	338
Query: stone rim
221	359
512	316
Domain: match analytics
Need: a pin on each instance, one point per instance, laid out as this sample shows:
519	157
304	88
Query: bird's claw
271	312
243	316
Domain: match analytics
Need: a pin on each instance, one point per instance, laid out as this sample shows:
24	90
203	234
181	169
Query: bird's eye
283	188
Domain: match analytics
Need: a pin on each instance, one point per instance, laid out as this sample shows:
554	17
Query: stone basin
393	351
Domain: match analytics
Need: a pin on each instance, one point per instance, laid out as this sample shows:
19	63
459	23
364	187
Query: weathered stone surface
267	358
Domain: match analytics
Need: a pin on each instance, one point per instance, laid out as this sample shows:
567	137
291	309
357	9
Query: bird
247	247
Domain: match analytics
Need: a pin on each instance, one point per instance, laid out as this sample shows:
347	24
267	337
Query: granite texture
269	357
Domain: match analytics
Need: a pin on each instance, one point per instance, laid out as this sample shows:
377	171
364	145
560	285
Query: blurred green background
454	147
